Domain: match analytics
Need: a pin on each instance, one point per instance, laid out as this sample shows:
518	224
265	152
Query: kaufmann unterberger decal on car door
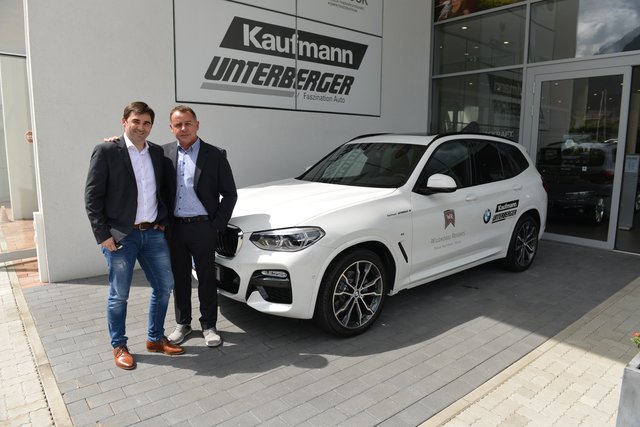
239	54
505	210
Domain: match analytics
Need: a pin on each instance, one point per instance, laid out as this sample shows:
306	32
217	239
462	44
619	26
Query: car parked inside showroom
378	215
579	178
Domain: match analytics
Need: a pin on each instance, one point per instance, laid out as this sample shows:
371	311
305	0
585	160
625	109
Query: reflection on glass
578	28
577	145
492	100
488	41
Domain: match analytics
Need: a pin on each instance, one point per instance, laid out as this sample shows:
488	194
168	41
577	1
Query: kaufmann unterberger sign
264	54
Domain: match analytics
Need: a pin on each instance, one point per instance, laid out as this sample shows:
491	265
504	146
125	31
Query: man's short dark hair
138	107
183	109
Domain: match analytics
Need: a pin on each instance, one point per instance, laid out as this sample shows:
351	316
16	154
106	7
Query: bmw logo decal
487	216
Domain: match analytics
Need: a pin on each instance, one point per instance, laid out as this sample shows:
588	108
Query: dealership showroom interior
332	115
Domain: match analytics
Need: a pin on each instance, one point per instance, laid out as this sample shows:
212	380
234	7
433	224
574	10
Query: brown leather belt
190	219
144	226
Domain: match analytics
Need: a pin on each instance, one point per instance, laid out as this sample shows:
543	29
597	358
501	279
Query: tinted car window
451	158
487	161
513	161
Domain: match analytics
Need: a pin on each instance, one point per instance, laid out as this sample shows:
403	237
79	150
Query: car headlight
287	239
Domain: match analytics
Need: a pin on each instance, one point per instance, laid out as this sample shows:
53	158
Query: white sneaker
211	337
179	334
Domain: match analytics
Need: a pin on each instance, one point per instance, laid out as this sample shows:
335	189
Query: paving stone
129	403
426	353
299	414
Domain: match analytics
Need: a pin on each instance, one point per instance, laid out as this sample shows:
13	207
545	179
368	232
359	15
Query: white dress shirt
147	209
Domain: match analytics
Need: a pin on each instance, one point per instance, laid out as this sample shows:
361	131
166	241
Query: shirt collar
130	145
194	147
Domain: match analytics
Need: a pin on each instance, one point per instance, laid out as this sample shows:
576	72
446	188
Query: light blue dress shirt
187	202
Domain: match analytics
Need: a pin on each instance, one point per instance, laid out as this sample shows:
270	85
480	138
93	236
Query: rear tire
352	293
597	212
523	245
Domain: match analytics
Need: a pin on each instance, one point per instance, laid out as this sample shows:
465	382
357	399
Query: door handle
471	198
517	187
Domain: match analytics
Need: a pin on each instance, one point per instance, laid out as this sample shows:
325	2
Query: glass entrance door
628	231
579	130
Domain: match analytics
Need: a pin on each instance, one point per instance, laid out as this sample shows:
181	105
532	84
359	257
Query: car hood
291	202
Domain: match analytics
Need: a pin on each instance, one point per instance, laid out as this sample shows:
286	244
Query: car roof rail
366	135
472	131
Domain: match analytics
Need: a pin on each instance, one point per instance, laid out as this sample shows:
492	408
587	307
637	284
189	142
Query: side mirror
439	183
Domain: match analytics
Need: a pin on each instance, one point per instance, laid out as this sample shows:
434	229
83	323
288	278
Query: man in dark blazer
124	202
201	196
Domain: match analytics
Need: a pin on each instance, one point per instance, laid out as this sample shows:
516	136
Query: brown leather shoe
124	359
164	346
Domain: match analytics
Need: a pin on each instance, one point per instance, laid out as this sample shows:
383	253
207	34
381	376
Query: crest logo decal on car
449	218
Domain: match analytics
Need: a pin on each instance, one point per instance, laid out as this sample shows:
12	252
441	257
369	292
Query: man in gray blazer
201	196
124	202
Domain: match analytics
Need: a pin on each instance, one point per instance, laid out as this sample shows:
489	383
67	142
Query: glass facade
485	54
580	28
469	47
486	41
492	100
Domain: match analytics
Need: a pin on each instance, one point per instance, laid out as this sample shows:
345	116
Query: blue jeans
150	248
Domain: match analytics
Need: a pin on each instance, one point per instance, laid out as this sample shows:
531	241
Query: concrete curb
54	398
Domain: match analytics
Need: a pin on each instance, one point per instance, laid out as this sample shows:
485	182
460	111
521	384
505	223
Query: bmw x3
378	215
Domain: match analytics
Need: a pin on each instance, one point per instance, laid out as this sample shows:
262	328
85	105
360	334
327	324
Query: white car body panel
411	226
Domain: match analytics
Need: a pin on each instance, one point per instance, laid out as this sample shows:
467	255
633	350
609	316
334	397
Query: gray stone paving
22	397
573	379
431	347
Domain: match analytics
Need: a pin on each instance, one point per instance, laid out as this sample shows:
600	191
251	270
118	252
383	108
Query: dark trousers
197	240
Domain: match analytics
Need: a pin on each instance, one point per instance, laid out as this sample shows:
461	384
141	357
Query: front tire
352	293
523	245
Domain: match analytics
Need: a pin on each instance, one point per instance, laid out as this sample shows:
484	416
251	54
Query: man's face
137	127
184	127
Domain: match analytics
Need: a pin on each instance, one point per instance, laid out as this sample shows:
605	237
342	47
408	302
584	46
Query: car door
498	194
443	223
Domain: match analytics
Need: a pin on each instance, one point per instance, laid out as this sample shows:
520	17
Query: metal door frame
534	77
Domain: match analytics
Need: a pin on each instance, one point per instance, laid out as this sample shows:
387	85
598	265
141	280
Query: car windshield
386	165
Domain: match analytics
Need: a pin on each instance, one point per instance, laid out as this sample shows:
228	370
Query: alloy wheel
357	294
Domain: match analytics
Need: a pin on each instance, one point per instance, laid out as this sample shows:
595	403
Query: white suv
378	215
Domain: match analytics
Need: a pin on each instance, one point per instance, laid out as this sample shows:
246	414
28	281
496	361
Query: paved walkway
29	395
571	380
478	349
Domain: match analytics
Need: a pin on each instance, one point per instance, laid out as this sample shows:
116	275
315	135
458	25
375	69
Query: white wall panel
88	59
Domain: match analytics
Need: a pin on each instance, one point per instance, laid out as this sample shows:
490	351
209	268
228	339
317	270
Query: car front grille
229	241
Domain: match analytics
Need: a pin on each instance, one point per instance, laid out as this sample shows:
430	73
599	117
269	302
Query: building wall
89	59
11	27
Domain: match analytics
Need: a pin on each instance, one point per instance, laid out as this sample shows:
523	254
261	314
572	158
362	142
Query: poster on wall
238	54
447	9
